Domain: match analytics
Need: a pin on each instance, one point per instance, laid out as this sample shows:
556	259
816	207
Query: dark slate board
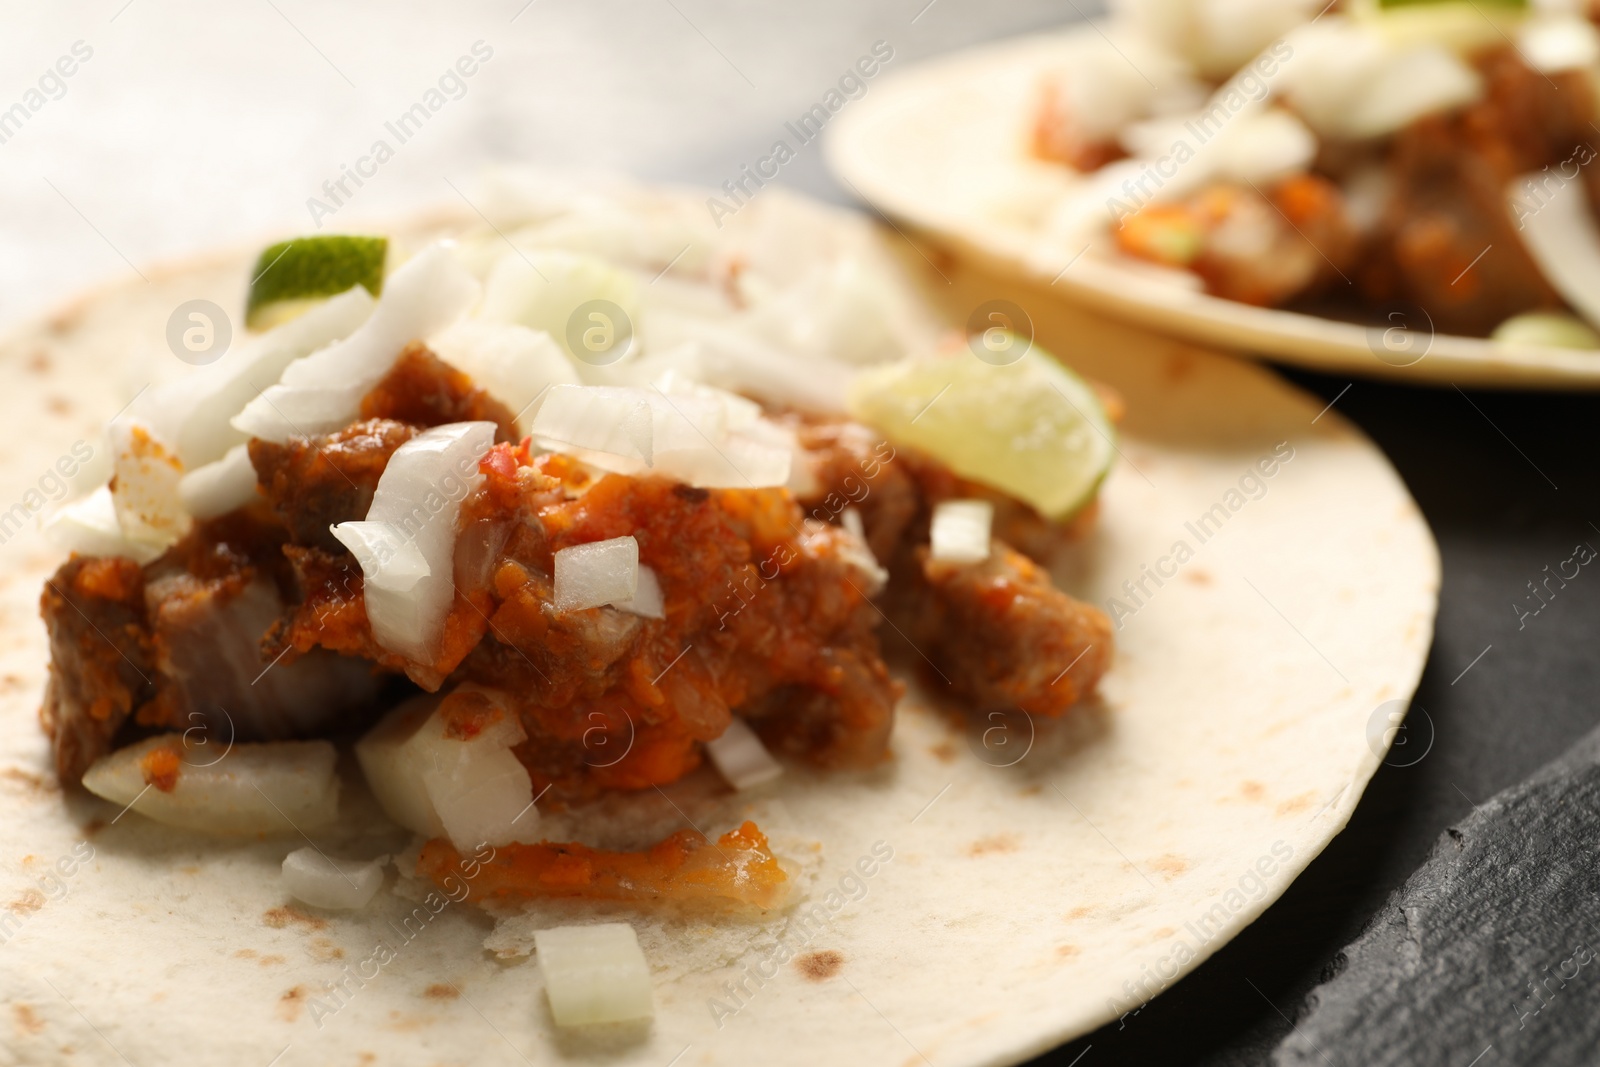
1490	953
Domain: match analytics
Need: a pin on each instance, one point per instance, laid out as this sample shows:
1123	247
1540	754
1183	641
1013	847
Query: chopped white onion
1547	328
514	364
406	546
1264	147
1553	44
1099	90
390	561
473	790
850	519
89	527
598	573
1348	81
1559	232
608	427
594	974
737	359
543	289
210	398
741	758
647	600
220	487
698	435
146	473
323	391
274	787
1217	36
856	552
960	531
335	884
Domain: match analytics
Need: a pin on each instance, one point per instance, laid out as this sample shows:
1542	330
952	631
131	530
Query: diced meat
207	637
422	391
314	482
999	632
178	644
1003	635
101	665
757	600
1449	176
1258	248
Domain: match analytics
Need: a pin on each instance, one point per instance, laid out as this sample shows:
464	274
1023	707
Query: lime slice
1031	428
293	276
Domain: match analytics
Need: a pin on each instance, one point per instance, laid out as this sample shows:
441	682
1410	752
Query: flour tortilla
1230	739
944	147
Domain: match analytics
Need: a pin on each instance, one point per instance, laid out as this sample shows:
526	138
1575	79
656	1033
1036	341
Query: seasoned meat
757	600
1258	247
1447	205
207	637
178	644
998	631
422	391
314	482
101	663
1002	635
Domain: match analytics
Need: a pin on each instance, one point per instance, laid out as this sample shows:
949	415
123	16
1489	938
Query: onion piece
850	519
605	426
960	531
594	974
472	790
1559	232
597	573
417	503
389	560
647	600
1348	81
220	487
544	288
145	480
265	788
325	882
513	364
1548	328
323	391
208	399
89	527
1554	43
687	435
741	758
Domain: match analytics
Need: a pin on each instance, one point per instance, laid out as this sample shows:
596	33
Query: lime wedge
1031	428
291	277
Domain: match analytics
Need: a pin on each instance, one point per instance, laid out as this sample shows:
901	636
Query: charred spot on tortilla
820	966
994	845
284	914
291	1002
1169	866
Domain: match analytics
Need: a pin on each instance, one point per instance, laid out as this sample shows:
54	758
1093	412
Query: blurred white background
198	124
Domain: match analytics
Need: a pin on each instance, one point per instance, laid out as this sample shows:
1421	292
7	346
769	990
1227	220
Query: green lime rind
1030	428
292	275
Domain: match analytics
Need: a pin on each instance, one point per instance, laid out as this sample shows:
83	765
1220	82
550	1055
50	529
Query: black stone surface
1490	947
1508	482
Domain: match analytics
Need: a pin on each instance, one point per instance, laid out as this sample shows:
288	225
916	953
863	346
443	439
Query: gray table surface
196	124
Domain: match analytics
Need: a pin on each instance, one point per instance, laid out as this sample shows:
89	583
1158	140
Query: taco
1295	180
615	633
